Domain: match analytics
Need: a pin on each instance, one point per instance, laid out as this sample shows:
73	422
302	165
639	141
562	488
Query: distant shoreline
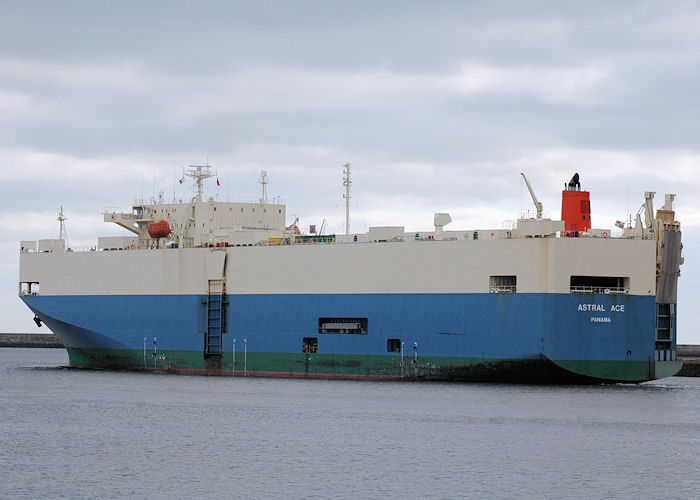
29	340
689	354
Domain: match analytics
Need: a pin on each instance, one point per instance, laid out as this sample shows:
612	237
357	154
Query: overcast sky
437	105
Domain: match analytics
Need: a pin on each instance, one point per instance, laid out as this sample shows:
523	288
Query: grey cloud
210	35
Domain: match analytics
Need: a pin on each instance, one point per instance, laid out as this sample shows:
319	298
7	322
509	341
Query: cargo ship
203	286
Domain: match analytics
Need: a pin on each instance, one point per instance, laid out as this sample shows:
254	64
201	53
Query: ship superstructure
198	222
205	286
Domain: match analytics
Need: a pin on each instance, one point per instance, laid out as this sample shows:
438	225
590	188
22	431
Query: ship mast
347	183
62	226
199	173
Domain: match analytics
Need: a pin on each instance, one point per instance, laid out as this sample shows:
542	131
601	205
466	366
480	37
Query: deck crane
538	205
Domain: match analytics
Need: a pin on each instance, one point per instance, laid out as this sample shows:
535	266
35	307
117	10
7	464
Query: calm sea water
90	434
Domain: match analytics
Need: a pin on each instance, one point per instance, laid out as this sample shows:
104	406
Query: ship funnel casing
576	210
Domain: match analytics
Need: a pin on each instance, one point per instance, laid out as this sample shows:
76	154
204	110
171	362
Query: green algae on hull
387	367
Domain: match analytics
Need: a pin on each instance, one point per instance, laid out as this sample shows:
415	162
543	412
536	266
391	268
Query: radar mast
199	173
263	183
347	183
62	226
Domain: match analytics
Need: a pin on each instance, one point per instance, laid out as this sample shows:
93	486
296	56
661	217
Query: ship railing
188	199
95	248
72	249
533	215
79	249
607	290
69	249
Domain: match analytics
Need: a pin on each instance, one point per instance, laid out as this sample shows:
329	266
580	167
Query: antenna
199	173
347	183
263	182
62	226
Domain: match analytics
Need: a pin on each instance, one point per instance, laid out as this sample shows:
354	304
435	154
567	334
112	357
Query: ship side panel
121	272
541	265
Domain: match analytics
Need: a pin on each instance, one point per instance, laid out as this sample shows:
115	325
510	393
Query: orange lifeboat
159	229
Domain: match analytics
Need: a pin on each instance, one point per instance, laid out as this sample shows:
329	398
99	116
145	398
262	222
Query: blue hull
526	327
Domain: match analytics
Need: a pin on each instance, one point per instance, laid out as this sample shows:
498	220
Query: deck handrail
606	290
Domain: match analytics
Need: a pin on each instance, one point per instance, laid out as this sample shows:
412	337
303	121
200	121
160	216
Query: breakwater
29	340
690	355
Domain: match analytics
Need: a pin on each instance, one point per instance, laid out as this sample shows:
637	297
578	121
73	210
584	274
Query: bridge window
342	325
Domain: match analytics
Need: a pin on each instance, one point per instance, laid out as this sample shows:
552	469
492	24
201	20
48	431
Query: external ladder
216	318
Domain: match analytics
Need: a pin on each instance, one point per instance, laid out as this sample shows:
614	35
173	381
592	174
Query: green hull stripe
622	371
374	366
387	365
